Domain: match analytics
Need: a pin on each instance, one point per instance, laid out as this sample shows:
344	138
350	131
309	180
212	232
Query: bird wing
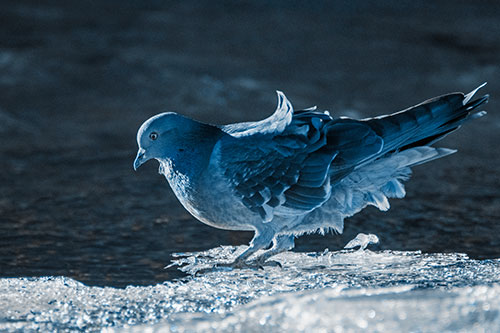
274	124
287	164
288	172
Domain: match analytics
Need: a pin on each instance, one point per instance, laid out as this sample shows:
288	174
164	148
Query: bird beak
140	159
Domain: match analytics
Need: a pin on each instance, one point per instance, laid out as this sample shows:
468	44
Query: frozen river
342	291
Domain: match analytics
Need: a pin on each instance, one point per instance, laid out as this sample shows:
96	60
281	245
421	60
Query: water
341	291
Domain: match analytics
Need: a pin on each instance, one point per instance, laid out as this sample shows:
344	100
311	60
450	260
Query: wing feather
283	173
289	171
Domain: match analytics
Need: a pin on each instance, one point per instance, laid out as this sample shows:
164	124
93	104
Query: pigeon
296	172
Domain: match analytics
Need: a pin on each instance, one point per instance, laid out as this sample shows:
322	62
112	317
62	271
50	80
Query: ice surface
394	309
343	291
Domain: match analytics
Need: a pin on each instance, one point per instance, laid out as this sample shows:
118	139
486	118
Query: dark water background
77	79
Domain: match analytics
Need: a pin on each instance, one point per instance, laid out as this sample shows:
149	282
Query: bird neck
191	153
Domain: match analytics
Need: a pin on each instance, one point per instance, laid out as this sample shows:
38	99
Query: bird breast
208	198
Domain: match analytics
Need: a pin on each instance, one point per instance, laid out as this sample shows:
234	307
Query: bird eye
153	136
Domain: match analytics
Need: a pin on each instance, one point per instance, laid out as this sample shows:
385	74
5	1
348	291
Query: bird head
158	137
170	136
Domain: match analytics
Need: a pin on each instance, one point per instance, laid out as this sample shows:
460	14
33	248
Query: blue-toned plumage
300	171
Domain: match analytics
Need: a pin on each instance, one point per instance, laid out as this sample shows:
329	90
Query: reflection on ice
332	288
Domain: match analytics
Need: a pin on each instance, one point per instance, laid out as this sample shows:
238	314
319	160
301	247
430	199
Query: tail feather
427	122
469	96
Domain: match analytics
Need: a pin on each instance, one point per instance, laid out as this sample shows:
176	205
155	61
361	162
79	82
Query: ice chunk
362	240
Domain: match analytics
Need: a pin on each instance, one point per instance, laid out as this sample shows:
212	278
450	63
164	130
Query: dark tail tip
475	103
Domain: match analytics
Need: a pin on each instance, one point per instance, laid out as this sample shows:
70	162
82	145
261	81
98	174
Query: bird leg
281	243
262	238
